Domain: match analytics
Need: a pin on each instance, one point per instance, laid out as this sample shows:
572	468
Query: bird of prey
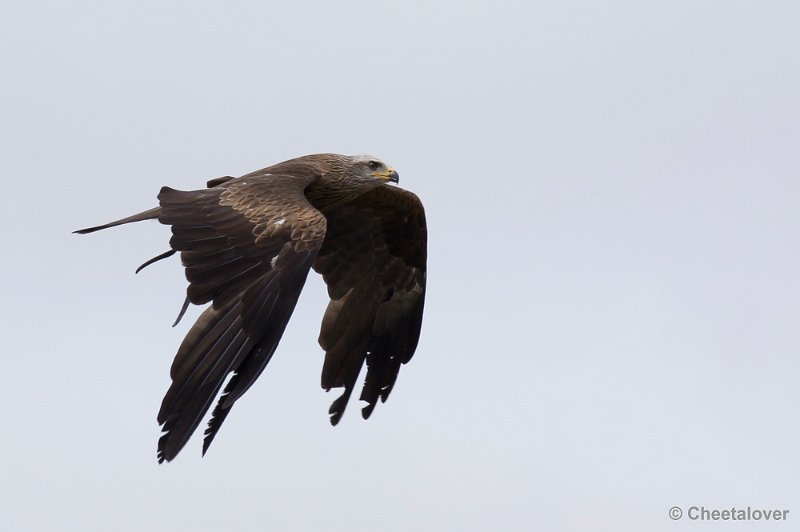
247	245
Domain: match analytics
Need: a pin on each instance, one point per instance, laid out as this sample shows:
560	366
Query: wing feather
373	261
252	271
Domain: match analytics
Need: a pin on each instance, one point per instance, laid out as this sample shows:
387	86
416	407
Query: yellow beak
389	175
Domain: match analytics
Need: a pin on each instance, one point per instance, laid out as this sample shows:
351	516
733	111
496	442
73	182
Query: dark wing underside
247	246
373	261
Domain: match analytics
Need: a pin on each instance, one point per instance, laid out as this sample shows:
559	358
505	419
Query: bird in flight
247	245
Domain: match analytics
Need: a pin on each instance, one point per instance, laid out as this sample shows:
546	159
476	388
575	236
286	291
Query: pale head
369	169
344	177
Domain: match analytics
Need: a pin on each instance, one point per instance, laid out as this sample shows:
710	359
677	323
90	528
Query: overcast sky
611	329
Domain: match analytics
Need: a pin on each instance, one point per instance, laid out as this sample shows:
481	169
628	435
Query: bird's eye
374	165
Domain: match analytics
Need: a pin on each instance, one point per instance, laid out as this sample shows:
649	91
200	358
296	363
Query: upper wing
247	246
373	261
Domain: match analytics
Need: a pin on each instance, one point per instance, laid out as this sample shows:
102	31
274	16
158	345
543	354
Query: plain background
611	328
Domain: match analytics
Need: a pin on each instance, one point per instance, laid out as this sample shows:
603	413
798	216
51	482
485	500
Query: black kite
247	245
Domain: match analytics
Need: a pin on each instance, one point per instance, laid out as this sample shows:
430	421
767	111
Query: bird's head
343	177
370	170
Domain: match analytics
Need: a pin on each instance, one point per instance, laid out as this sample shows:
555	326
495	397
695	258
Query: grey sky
611	328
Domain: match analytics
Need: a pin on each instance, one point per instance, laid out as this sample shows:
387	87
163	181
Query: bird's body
247	245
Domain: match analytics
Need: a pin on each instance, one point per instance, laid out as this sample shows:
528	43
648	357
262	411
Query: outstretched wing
373	261
247	246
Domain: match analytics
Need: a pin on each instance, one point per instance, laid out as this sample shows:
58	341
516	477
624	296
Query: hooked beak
390	175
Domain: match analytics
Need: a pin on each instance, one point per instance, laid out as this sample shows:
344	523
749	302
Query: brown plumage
247	245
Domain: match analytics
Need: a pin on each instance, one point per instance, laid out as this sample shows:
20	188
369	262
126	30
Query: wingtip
209	434
149	214
206	446
367	410
168	253
87	230
161	453
182	312
336	411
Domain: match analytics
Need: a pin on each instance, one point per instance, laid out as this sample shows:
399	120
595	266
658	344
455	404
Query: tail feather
149	214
